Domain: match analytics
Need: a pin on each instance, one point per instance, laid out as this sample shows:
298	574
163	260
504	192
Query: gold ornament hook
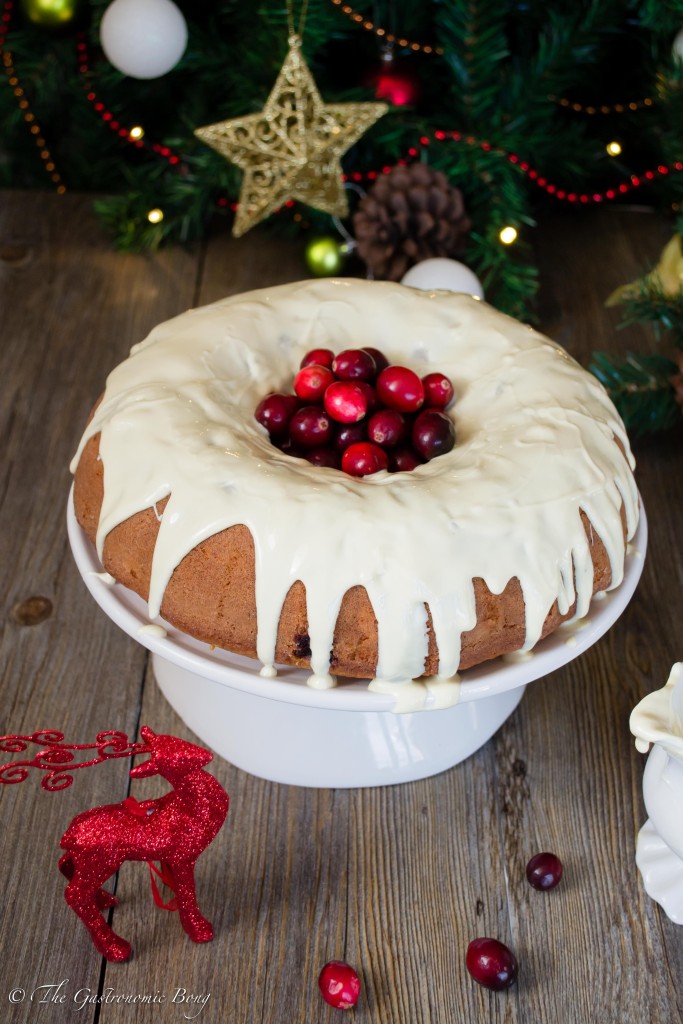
294	32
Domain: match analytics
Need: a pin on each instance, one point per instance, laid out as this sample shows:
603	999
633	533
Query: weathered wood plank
569	778
396	880
70	309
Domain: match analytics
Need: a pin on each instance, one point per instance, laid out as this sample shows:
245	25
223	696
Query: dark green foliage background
502	63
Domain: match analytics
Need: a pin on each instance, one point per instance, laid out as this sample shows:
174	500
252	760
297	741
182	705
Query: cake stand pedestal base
313	746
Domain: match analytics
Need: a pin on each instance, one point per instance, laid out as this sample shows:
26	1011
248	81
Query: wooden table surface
395	880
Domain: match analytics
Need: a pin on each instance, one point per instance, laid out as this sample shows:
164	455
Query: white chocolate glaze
105	577
535	445
152	629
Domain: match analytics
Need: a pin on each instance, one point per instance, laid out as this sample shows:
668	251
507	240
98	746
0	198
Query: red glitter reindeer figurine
173	829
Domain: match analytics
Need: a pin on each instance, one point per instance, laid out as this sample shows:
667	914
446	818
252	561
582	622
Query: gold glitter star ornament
293	148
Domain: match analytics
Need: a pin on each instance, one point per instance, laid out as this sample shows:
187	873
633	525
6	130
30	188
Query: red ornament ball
544	871
339	985
397	84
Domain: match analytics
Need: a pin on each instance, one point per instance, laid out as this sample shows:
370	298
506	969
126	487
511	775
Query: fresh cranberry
364	458
285	445
491	964
324	457
403	460
345	402
438	390
320	356
310	427
433	434
387	427
400	388
275	411
339	985
381	361
312	381
369	392
544	871
354	364
349	433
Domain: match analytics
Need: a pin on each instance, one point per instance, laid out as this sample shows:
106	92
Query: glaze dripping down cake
478	553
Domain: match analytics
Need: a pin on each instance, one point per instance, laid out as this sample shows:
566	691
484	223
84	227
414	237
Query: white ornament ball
143	38
677	46
440	273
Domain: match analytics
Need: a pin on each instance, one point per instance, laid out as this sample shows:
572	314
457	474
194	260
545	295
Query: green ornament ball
324	256
53	14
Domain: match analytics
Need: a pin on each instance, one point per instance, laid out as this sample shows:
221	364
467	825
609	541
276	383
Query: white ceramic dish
282	729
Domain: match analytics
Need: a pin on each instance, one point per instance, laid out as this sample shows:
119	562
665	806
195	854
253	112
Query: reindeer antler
57	755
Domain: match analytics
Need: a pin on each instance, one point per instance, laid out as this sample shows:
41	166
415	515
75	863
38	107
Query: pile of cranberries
354	411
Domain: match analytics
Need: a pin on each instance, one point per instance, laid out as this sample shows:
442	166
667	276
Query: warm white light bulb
155	216
613	148
508	235
137	132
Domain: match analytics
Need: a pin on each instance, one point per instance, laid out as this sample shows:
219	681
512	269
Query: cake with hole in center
238	534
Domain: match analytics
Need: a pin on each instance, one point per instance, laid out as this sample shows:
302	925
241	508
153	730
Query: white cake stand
281	729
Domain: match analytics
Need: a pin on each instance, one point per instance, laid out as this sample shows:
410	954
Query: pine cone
409	215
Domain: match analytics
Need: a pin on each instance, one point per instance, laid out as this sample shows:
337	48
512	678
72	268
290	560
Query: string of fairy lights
437	51
383	34
135	134
23	102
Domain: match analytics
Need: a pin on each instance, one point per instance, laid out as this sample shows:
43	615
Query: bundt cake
480	552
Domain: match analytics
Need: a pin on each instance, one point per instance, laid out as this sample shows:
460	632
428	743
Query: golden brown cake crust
211	594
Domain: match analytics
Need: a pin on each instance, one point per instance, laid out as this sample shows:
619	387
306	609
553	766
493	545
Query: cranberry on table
354	364
345	402
433	434
339	985
310	427
381	361
403	460
349	433
400	388
320	356
438	390
312	381
364	458
544	871
387	427
491	964
275	411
